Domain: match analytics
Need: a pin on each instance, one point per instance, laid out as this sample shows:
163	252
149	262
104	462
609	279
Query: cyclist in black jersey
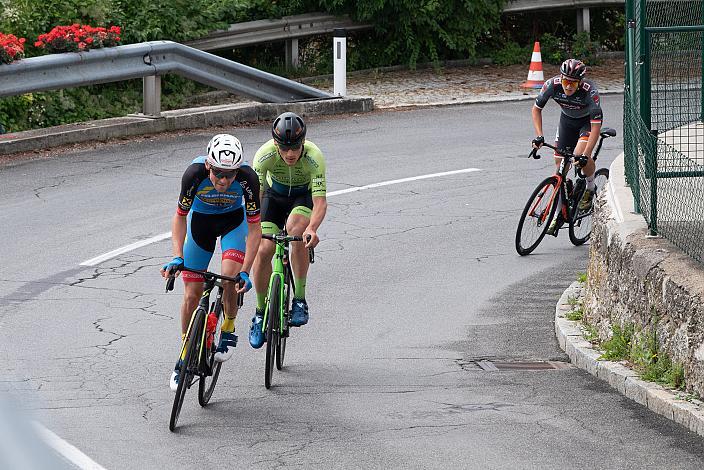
580	121
219	199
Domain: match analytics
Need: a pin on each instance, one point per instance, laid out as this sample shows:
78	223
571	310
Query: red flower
78	37
11	48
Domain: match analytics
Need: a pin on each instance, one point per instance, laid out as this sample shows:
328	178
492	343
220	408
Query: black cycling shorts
570	131
276	207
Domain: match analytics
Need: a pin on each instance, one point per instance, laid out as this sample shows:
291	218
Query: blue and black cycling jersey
199	195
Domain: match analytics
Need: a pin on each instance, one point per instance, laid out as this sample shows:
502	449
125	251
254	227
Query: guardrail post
151	91
340	62
292	54
583	20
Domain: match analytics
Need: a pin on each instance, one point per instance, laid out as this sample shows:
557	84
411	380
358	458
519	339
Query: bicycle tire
272	330
205	386
190	364
542	194
281	343
580	229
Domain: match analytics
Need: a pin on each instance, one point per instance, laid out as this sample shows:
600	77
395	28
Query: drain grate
495	366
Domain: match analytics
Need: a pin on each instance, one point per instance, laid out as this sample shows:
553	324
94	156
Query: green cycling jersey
307	173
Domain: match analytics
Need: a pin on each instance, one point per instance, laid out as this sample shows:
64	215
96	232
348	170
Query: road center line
164	236
75	456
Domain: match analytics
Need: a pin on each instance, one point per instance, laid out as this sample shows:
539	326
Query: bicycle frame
282	269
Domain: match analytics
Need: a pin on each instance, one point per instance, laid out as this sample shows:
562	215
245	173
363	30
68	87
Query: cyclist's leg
296	225
590	167
273	211
197	250
233	244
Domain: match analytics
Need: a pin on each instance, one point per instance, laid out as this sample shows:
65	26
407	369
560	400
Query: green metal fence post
650	147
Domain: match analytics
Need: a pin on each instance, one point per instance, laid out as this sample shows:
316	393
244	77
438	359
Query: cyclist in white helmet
217	192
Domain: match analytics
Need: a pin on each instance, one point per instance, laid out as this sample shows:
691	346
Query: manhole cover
494	366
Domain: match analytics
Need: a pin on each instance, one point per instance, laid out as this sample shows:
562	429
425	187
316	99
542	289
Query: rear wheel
537	215
189	367
272	327
581	221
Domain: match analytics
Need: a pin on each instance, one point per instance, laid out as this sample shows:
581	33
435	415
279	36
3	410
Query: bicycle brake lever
311	253
534	154
170	283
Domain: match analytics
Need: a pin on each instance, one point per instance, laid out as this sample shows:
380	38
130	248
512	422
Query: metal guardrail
518	6
286	28
149	60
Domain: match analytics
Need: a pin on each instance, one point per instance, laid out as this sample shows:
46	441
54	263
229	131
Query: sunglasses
286	148
219	173
568	82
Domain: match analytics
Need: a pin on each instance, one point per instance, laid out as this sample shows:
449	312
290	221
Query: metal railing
288	29
149	61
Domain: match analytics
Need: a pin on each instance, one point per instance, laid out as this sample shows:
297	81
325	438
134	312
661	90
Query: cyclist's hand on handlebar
311	238
538	142
172	267
245	283
581	161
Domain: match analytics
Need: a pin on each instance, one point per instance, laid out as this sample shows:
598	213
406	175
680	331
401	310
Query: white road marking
75	456
125	249
164	236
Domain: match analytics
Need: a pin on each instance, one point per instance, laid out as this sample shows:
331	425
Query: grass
582	277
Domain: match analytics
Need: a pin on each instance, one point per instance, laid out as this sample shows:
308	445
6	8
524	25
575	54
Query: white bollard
339	51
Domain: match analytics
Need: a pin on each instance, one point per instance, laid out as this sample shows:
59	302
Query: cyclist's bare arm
178	237
537	114
320	207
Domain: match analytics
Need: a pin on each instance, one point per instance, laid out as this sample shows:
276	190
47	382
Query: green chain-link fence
663	118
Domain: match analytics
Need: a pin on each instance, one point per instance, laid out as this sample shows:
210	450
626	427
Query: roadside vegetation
405	33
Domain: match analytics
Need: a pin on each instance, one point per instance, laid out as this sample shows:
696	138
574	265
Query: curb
193	118
651	395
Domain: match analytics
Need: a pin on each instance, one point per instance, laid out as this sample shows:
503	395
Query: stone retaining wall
648	282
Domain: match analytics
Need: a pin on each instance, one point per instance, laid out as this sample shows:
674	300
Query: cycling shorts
276	208
203	231
570	131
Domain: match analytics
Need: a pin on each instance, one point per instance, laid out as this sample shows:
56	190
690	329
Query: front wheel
189	367
537	215
581	221
281	343
272	327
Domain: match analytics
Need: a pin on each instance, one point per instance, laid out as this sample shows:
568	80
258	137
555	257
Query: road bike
201	341
278	303
542	204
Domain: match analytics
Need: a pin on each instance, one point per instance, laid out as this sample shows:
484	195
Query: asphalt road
414	283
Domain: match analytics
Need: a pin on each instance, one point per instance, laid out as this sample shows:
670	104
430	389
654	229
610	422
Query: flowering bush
77	38
11	48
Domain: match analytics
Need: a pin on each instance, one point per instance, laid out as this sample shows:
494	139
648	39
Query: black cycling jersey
582	103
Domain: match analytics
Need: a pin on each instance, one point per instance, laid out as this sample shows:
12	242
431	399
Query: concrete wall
633	278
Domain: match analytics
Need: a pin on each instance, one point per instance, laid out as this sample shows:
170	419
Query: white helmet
225	152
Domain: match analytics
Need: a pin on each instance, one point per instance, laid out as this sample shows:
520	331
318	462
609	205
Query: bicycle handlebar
278	238
208	276
580	160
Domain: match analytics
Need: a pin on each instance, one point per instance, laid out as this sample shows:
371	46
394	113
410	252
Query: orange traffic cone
535	72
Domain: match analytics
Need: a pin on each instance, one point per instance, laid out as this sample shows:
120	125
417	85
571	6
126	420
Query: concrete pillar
292	54
583	20
151	96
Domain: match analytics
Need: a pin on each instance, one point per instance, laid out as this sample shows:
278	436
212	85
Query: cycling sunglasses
286	148
569	82
220	173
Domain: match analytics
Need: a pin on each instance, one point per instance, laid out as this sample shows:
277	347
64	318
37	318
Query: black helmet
288	129
573	68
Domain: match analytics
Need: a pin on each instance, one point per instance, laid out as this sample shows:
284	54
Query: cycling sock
183	341
228	324
261	301
300	290
590	183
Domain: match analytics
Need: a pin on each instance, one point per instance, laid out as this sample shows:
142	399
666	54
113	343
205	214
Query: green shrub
584	49
618	347
512	53
552	49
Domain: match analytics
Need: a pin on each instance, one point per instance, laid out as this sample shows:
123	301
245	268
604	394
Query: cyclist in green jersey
291	172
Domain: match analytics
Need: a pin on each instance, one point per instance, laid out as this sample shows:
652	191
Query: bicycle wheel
281	343
581	221
272	329
206	384
190	366
537	215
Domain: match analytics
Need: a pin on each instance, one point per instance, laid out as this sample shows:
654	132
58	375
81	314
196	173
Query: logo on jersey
251	206
186	201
